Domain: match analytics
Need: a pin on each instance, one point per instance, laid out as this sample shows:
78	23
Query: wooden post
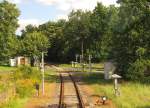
42	69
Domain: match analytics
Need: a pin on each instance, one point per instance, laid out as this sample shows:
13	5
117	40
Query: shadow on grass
52	78
94	78
99	69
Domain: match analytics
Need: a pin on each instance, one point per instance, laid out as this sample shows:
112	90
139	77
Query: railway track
70	96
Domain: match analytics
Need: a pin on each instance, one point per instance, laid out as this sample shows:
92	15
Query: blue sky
39	11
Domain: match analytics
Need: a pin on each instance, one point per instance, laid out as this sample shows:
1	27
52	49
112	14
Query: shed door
22	61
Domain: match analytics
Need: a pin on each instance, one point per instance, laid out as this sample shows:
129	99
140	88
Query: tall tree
34	43
54	32
103	20
77	32
8	24
131	42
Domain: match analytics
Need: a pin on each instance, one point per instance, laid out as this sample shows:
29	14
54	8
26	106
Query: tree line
117	33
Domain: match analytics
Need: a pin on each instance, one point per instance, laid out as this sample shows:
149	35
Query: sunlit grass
6	68
51	75
15	103
133	94
65	65
96	67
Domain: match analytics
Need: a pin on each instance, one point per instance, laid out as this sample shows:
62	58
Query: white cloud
66	5
24	22
18	1
15	1
47	2
62	16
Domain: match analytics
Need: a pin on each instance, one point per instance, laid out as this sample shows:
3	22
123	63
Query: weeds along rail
79	97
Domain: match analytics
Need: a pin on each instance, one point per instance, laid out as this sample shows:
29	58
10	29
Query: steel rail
61	98
81	103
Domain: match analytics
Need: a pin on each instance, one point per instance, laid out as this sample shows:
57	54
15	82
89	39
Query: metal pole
90	67
117	93
82	51
43	73
82	58
76	58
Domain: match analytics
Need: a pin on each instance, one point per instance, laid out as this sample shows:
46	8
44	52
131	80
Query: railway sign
116	77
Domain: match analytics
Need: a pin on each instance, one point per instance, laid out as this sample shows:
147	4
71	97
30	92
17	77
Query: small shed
20	60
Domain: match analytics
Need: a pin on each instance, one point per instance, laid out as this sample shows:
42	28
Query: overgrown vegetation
25	78
23	81
15	103
133	94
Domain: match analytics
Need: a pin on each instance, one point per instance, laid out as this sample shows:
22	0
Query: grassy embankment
133	94
24	86
6	86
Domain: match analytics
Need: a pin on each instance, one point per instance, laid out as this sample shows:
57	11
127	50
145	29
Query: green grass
65	65
96	67
6	69
51	75
15	103
133	95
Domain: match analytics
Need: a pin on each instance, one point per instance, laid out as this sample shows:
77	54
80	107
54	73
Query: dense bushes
137	70
25	87
25	79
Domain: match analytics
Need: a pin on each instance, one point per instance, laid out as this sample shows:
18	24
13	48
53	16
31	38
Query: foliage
131	36
8	24
26	72
25	88
54	32
103	20
138	69
25	79
93	29
77	33
35	43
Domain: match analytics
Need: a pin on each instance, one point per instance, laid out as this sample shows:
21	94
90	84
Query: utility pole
42	70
